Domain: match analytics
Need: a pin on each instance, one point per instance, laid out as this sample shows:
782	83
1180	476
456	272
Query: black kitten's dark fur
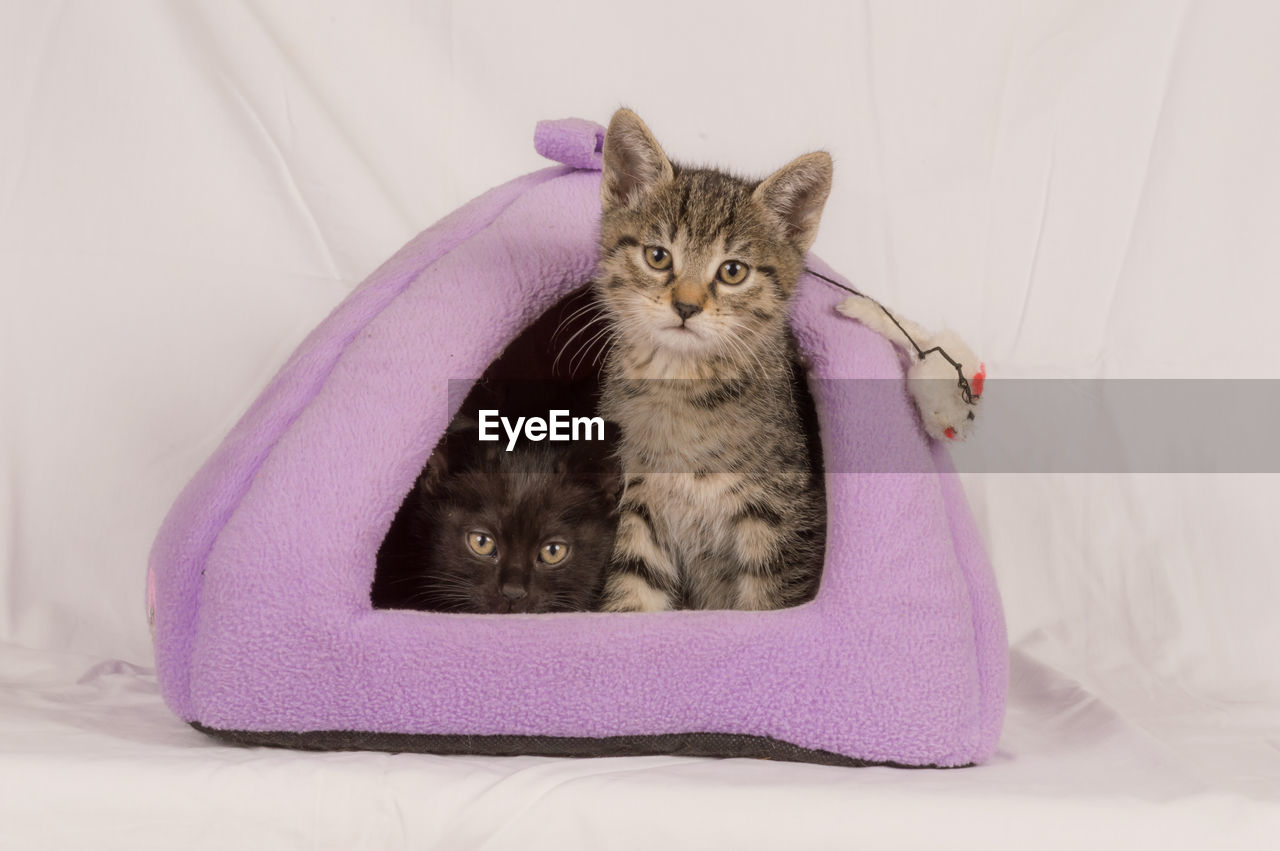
519	502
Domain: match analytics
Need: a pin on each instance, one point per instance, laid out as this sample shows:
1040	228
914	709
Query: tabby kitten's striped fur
720	509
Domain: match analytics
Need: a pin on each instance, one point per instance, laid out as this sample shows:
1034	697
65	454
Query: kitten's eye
481	544
657	257
732	272
553	553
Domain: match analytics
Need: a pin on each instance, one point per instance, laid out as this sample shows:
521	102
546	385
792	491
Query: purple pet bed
261	574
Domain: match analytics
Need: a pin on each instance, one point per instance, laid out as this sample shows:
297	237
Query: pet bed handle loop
572	141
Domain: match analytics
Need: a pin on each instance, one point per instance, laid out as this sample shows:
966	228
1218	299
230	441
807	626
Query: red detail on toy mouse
978	378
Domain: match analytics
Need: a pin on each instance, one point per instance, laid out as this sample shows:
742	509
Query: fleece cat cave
260	577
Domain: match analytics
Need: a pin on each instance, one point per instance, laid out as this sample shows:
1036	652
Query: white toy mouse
945	377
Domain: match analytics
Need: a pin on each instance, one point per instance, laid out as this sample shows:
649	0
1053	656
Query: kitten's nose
685	309
514	592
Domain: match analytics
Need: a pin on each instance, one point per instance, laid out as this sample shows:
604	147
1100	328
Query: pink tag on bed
572	141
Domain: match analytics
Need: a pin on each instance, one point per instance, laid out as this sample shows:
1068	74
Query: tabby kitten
491	531
720	507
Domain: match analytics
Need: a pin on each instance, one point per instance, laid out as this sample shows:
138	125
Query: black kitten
491	531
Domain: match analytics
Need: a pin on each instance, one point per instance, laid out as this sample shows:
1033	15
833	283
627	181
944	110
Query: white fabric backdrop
1083	189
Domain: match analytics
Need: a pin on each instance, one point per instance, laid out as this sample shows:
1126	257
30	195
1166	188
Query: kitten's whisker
599	332
588	324
586	347
589	304
744	348
556	363
568	320
607	349
772	349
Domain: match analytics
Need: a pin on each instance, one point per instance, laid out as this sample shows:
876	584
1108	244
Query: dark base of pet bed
722	745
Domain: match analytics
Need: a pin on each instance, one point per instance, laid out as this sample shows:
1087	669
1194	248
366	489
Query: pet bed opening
556	363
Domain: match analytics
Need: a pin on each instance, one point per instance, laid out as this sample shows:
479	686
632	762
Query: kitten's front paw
626	592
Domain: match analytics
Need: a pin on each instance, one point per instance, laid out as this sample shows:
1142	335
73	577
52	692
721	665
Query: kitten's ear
456	451
795	195
606	479
606	475
434	473
634	163
595	464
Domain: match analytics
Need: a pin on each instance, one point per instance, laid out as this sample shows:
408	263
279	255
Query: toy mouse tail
871	314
